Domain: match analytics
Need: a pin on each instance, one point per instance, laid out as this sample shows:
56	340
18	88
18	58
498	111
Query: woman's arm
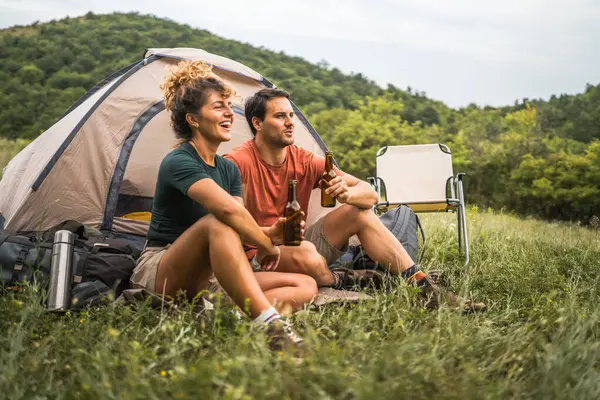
228	210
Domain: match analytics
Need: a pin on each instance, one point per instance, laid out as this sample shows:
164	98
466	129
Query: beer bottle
292	235
326	199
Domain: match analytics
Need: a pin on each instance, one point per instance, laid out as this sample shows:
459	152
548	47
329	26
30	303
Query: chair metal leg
462	218
459	227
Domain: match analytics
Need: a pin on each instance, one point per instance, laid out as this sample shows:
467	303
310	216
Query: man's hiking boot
433	295
358	278
282	337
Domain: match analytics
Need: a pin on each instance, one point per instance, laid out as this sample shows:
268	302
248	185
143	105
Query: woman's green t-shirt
172	210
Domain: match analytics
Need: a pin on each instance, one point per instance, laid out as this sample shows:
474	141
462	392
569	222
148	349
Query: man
266	164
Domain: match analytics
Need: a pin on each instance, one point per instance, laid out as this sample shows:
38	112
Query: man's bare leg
381	245
305	259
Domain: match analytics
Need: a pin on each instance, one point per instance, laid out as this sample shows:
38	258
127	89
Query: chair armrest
372	181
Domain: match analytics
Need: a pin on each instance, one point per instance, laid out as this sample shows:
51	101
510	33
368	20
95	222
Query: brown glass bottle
326	199
292	234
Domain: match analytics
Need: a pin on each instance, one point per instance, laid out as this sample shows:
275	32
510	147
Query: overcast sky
457	51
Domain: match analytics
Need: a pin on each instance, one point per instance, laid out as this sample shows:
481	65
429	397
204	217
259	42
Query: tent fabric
220	62
99	163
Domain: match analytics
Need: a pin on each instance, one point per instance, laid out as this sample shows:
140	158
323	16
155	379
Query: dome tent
99	163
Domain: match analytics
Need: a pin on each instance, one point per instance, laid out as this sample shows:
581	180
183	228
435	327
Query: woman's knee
307	287
219	230
309	284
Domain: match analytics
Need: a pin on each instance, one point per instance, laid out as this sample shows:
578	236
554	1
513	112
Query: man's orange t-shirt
266	186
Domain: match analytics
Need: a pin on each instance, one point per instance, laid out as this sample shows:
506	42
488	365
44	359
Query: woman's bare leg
210	246
287	290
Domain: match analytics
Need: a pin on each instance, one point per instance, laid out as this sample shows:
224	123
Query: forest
536	157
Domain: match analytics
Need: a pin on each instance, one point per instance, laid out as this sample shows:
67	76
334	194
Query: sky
457	51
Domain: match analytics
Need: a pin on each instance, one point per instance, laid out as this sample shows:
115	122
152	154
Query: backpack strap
80	267
3	238
420	229
19	262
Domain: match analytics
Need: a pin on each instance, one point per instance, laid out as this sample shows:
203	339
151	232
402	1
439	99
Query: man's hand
275	231
338	189
268	258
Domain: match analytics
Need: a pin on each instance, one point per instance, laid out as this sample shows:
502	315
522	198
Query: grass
538	340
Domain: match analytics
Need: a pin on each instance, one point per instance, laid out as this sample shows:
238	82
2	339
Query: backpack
102	266
405	225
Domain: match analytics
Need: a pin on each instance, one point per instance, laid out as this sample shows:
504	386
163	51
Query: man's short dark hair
256	105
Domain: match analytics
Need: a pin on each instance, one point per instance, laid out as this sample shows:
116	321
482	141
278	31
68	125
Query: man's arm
348	189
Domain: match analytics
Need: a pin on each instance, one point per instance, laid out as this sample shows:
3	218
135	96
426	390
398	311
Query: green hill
45	67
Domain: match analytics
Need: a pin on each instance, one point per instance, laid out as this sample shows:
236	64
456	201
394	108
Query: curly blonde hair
185	90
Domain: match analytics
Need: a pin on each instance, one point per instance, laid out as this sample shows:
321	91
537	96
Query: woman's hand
268	258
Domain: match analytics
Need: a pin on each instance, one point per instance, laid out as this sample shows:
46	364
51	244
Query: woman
198	215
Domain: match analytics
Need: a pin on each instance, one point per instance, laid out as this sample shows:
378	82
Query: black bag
103	264
405	225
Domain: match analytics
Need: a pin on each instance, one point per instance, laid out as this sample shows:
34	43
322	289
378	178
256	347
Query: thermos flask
61	267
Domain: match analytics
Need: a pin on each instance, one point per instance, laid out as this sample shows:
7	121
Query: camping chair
421	177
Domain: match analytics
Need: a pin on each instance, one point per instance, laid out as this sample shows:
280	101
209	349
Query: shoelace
289	331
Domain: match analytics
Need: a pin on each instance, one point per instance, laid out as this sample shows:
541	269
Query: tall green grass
538	340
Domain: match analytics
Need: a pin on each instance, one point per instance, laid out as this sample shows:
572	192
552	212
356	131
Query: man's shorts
144	274
316	236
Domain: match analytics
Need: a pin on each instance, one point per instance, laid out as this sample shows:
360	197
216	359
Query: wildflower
112	332
81	321
163	373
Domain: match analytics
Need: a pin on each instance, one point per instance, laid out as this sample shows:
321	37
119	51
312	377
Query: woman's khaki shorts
144	274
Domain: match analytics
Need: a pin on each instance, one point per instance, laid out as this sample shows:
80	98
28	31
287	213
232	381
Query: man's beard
282	142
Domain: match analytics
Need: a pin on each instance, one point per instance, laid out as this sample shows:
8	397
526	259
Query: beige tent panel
213	59
77	186
124	139
26	166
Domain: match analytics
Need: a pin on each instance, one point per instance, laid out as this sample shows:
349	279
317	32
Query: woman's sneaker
282	337
432	295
